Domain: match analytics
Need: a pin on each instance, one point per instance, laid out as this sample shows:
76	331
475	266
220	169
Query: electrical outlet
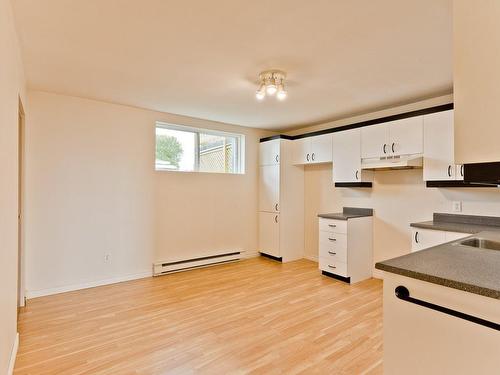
457	206
107	257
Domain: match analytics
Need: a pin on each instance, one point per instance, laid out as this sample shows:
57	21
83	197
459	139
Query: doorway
21	298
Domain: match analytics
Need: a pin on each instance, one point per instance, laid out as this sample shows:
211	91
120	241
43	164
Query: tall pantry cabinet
281	201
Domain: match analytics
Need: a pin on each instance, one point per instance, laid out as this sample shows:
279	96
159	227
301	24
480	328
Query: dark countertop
467	268
349	213
460	223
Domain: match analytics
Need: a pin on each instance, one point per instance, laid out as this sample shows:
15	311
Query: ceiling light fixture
272	82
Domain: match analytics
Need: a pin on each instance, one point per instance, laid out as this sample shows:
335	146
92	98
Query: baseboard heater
164	268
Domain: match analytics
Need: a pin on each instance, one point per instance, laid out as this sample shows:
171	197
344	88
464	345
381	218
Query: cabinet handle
277	159
416	237
331	252
392	146
462	170
357	173
331	266
332	225
384	148
275	218
307	157
332	239
276	207
449	170
403	294
312	156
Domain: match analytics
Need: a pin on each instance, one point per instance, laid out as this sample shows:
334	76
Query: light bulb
271	89
281	95
260	95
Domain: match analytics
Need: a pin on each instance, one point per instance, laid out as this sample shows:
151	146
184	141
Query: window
180	148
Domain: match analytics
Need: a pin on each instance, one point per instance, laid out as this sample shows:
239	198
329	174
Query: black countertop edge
354	184
457	184
453	227
467	219
460	223
486	292
348	213
342	216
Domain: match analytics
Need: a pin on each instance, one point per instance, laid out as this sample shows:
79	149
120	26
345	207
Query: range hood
482	173
393	162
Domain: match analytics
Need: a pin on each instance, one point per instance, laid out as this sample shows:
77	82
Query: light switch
457	206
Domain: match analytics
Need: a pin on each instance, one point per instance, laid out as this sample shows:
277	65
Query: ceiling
202	58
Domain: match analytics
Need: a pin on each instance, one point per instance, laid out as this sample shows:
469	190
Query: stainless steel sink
481	243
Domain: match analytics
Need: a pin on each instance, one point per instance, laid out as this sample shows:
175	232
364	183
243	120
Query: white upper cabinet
321	148
269	152
395	138
374	141
312	150
346	155
406	137
439	156
301	151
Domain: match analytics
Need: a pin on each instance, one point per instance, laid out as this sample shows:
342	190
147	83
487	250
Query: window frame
238	154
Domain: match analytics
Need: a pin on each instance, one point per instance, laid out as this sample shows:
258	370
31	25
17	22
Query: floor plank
256	316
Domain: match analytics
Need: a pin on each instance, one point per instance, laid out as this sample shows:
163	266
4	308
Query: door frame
21	295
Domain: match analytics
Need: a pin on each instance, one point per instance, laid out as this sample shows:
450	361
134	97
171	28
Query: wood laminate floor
252	317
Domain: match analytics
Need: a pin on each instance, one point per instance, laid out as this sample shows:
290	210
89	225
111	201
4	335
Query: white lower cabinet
425	238
345	248
419	340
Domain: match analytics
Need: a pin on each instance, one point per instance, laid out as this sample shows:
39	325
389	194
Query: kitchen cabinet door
269	188
346	156
301	151
374	141
438	147
269	233
425	238
269	152
321	148
406	136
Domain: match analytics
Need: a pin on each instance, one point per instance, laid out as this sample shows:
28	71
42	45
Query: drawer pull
332	225
331	266
331	252
332	239
404	294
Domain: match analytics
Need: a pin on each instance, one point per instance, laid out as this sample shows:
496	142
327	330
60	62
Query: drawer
334	240
337	268
333	254
330	225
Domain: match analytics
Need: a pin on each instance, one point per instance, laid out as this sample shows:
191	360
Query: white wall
11	88
398	197
92	190
476	61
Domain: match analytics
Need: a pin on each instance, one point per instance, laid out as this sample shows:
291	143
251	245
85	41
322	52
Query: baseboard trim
314	258
378	274
13	355
91	284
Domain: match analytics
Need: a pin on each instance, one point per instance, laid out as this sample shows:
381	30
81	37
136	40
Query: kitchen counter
348	213
471	269
460	223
